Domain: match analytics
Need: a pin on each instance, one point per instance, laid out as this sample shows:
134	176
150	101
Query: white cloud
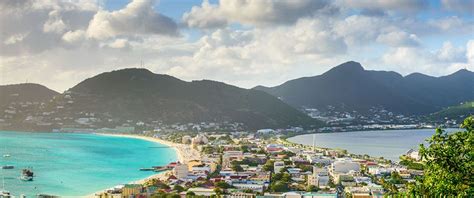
459	5
398	38
74	37
257	12
392	5
449	53
470	53
137	18
54	23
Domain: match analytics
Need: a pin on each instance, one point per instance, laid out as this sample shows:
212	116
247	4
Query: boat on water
6	155
5	194
27	175
8	167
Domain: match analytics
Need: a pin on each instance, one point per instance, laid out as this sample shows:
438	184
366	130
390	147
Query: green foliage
449	164
178	188
268	166
312	188
279	186
223	185
464	109
237	168
411	164
208	149
218	191
395	178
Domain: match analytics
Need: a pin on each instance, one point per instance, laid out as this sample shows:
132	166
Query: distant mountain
350	87
138	94
27	92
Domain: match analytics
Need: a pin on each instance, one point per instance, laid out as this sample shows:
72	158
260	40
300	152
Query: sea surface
389	144
71	164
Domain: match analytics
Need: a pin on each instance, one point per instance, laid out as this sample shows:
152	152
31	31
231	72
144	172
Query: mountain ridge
141	94
350	86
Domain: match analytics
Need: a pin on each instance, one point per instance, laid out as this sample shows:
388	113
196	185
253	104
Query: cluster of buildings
246	165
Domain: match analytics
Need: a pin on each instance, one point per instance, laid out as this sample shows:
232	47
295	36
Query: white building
186	139
180	171
344	166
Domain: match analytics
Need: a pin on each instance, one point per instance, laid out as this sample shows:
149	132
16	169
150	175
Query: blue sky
244	43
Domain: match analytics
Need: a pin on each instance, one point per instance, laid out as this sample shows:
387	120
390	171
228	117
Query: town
264	164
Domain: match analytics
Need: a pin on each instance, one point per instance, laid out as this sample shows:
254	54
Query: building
413	154
131	189
186	139
278	166
199	139
319	178
230	156
180	171
344	166
200	192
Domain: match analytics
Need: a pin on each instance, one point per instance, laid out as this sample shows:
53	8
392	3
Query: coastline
185	153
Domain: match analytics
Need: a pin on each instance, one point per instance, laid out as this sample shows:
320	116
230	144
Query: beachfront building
199	139
186	139
180	171
130	190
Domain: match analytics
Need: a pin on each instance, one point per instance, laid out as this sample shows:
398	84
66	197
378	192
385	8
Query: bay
390	144
71	164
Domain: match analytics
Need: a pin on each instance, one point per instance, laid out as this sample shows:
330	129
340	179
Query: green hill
138	94
455	112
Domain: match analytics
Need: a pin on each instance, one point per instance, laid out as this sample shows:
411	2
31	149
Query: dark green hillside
139	94
350	87
27	92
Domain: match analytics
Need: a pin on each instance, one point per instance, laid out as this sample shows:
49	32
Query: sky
59	43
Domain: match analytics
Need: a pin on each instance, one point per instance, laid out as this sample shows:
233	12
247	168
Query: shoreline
184	154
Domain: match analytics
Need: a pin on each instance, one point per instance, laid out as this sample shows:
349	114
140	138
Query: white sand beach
185	154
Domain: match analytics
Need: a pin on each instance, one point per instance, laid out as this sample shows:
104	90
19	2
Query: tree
223	185
218	191
178	188
448	164
190	194
312	188
279	186
237	168
268	166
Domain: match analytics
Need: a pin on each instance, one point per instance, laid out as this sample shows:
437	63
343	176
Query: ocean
71	164
390	144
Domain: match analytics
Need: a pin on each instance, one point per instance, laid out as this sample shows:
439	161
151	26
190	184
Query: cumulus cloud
257	12
398	38
33	26
470	53
383	5
137	18
450	53
459	5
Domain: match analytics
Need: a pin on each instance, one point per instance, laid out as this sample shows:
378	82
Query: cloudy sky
246	43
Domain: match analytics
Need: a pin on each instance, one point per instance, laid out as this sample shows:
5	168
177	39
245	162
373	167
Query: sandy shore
185	153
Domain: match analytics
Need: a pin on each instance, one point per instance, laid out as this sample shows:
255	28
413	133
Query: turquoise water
389	144
70	164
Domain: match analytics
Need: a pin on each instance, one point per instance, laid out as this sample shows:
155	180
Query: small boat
6	155
4	193
8	167
26	175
